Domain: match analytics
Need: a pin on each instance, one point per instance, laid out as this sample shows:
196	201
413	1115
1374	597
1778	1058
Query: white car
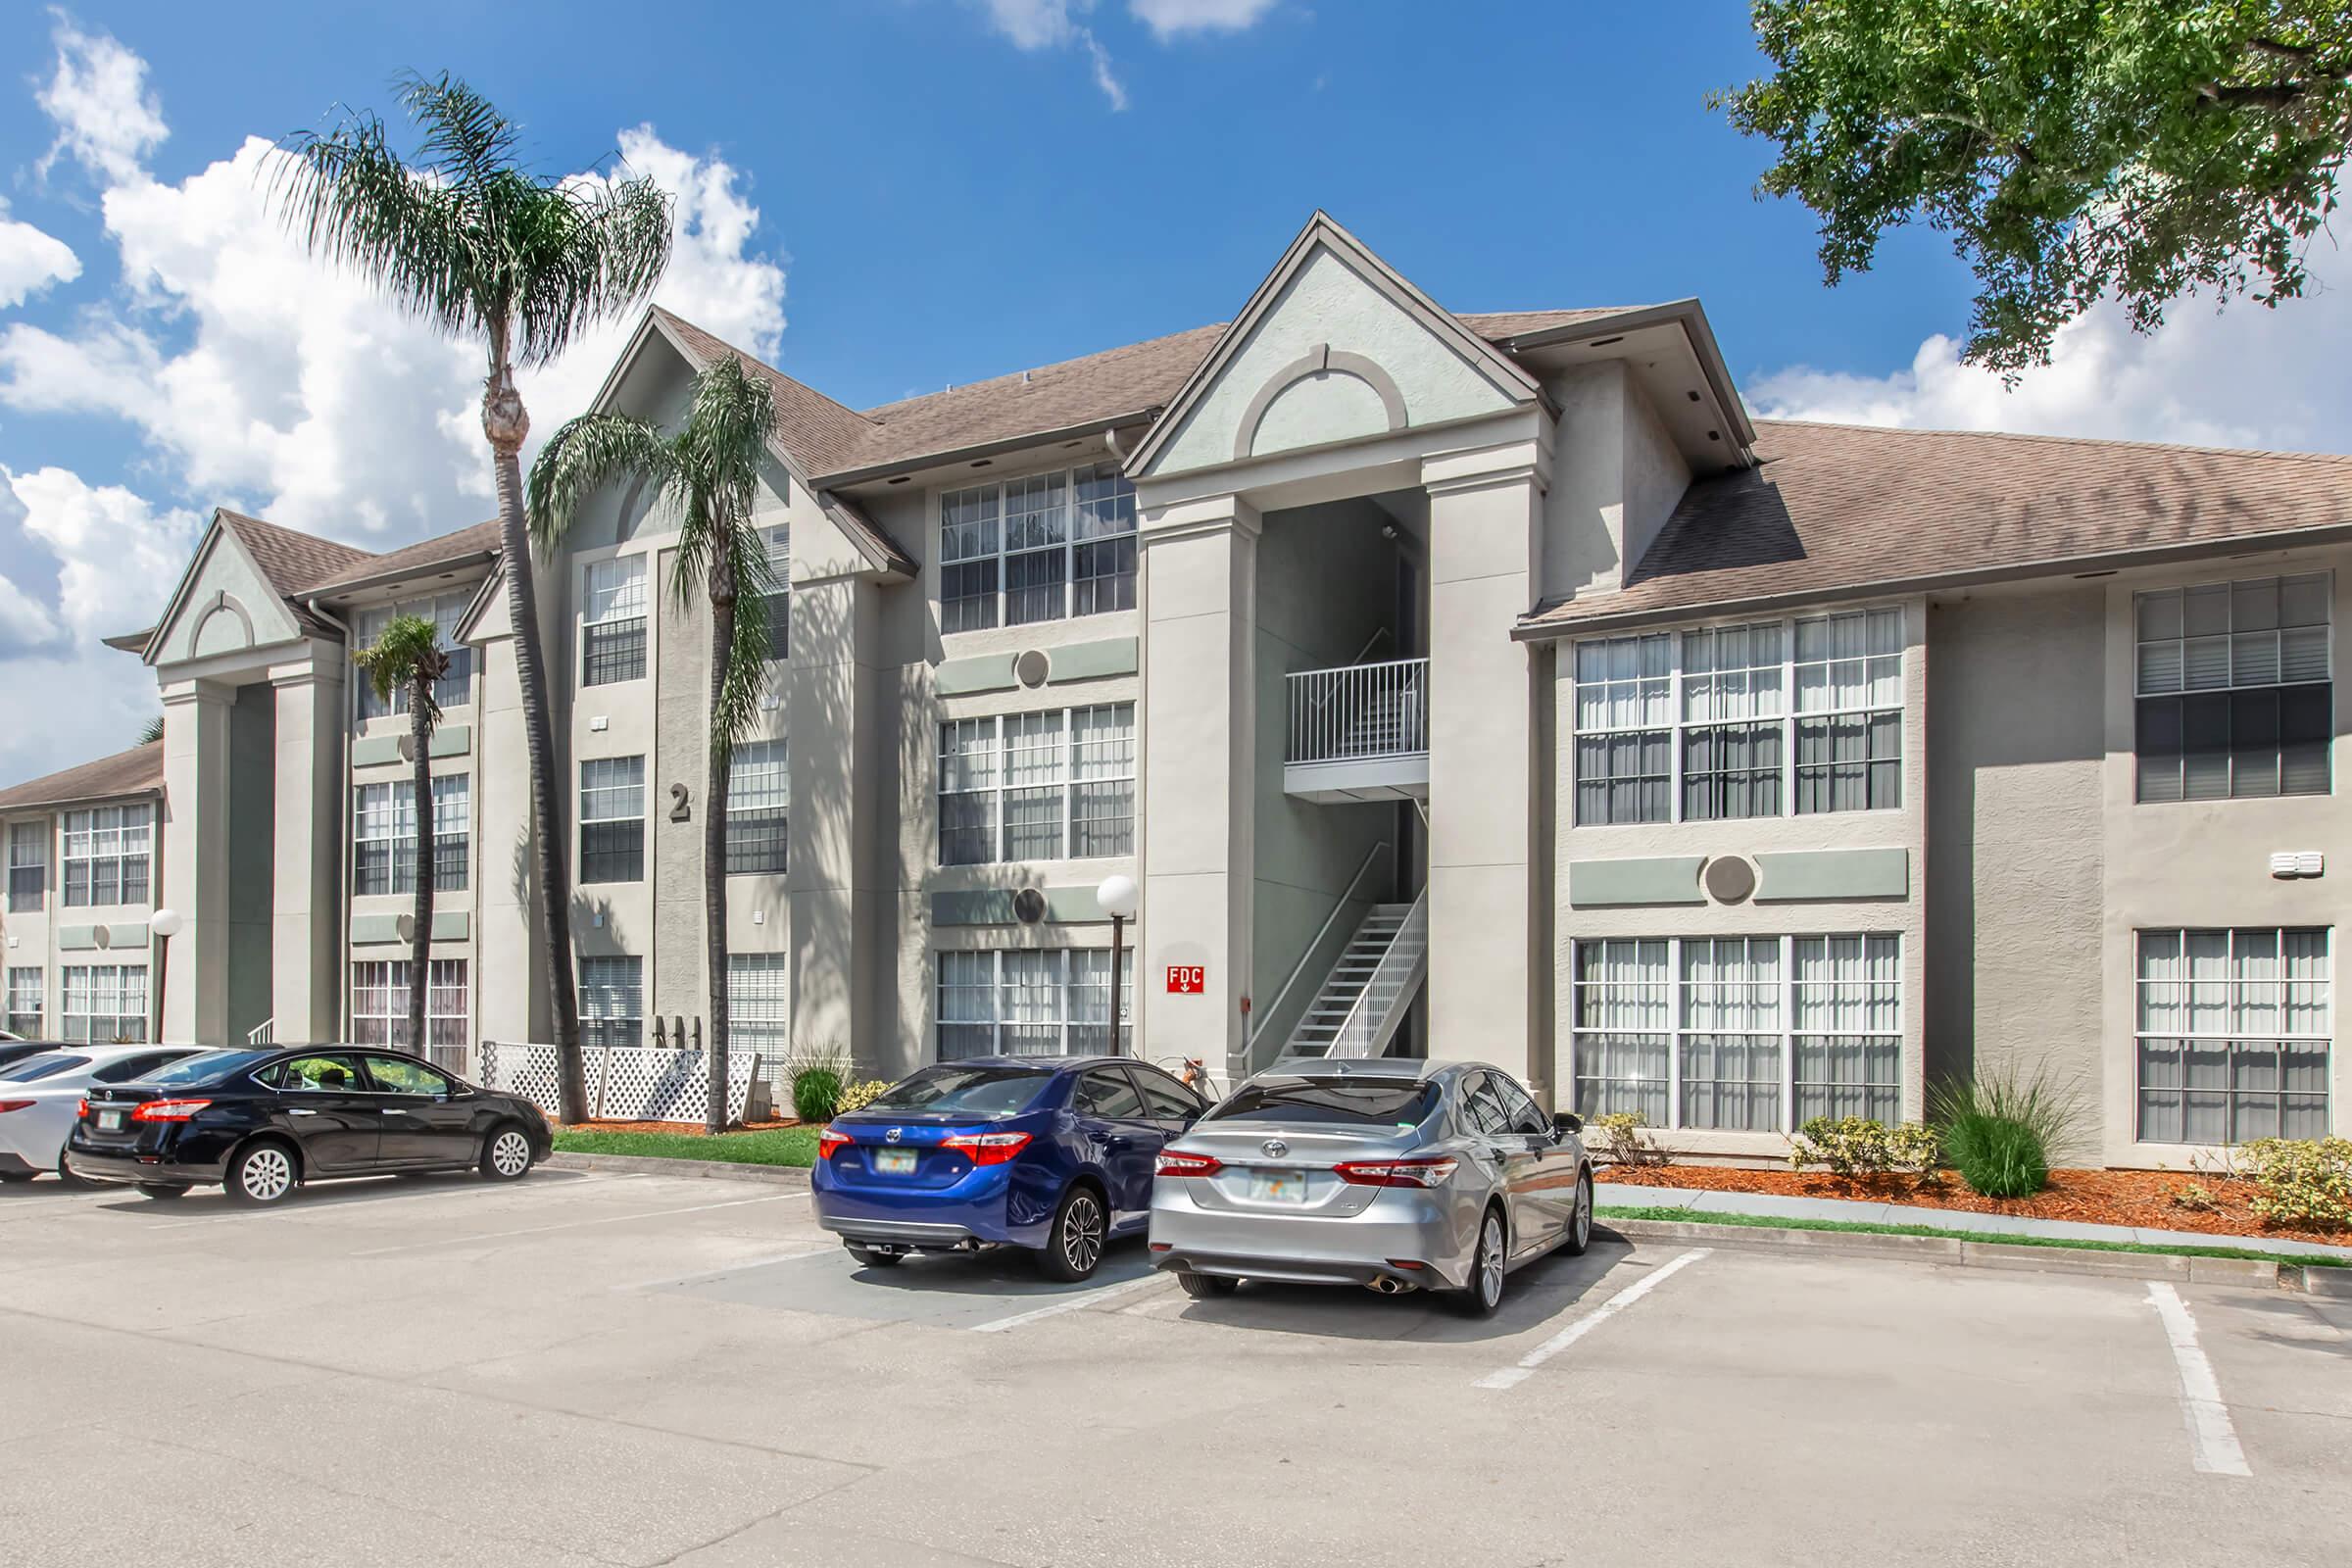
42	1095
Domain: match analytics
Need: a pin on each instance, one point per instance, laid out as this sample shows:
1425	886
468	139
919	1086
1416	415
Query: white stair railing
1372	1023
1359	712
262	1034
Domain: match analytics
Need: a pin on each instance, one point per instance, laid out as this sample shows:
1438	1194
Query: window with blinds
2235	690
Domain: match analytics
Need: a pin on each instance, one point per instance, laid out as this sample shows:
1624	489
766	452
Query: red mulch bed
2141	1197
599	1125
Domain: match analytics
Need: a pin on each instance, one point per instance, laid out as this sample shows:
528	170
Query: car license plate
110	1122
894	1161
1278	1186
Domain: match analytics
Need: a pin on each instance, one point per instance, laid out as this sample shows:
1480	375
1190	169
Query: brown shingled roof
292	561
137	771
423	556
1841	508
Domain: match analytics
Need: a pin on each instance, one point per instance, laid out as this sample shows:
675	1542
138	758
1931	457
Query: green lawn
786	1145
1700	1216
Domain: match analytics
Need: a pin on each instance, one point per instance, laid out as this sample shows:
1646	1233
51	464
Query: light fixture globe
165	923
1119	896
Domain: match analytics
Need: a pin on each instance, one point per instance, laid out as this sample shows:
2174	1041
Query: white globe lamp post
1119	898
165	924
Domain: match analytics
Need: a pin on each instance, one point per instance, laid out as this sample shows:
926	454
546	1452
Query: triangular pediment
1334	347
224	604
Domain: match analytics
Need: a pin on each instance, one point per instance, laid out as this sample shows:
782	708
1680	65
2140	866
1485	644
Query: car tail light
1187	1164
168	1109
988	1149
829	1141
13	1105
1396	1172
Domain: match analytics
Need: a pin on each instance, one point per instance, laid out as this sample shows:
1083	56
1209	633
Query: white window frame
766	786
2230	1035
1076	757
108	833
1067	986
1788	714
1120	517
26	984
1677	1027
760	1010
604	796
597	987
391	806
384	982
614	592
125	985
29	850
453	690
778	600
2151	684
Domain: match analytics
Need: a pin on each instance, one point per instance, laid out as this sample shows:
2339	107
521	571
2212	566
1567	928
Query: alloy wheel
1082	1234
1584	1214
267	1174
510	1152
1489	1261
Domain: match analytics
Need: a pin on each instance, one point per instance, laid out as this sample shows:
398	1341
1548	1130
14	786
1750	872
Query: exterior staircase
1365	995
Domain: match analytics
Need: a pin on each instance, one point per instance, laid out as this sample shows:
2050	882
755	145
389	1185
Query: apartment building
1471	685
75	955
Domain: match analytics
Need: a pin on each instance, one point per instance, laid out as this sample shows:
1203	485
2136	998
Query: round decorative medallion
1031	668
1728	879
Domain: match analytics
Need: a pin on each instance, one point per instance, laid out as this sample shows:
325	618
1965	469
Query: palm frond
584	252
407	654
584	455
152	731
466	140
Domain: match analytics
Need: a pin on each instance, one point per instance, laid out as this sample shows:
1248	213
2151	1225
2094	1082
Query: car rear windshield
47	1065
965	1092
1331	1101
204	1068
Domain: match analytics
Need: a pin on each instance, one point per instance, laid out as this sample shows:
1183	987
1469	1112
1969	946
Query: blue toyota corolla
1054	1154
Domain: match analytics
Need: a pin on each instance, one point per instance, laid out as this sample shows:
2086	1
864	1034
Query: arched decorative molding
1316	362
223	605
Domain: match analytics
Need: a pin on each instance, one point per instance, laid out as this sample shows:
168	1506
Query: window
613	621
777	605
455	688
613	819
379	1004
24	1002
1051	786
27	865
106	1003
2234	691
397	1075
1046	546
759	1009
1723	722
2233	1034
106	856
1738	1033
758	791
383	835
1108	1092
613	1002
316	1075
1036	1003
1168	1100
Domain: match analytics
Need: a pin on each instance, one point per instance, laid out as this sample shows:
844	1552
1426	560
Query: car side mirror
1567	1122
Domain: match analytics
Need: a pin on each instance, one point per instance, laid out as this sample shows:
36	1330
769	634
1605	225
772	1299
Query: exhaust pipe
1388	1284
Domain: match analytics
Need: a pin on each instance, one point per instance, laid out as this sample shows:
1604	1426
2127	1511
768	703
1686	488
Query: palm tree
470	239
152	731
707	476
407	654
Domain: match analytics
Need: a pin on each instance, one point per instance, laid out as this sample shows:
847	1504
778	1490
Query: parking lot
606	1368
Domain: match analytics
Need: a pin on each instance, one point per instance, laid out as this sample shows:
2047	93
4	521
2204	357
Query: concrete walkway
1617	1194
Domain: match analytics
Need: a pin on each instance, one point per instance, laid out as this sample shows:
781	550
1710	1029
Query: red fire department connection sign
1187	979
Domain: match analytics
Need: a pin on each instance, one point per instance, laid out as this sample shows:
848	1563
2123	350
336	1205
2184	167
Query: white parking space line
1511	1377
1069	1303
2212	1439
470	1237
361	1198
746	1266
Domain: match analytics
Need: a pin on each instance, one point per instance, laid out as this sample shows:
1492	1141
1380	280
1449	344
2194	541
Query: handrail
1360	710
264	1033
1387	981
1266	1014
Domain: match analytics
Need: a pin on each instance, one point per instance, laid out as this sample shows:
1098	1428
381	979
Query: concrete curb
2317	1281
656	1165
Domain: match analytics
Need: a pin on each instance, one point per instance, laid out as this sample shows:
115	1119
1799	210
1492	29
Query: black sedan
263	1122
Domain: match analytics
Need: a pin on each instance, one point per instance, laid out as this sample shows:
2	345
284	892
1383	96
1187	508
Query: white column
1198	595
1484	924
306	925
195	857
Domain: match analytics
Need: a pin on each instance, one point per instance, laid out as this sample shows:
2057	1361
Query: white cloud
25	624
2241	377
119	557
1033	25
98	99
31	259
1167	19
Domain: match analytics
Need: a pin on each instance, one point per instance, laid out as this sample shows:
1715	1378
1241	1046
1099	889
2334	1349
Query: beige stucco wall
1616	478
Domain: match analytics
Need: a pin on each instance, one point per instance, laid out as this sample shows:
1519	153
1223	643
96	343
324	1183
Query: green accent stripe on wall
1833	874
1660	879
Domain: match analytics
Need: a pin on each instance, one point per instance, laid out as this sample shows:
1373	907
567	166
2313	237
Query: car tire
1580	1217
868	1258
12	1177
1207	1287
262	1174
161	1192
1489	1264
1074	1245
507	1153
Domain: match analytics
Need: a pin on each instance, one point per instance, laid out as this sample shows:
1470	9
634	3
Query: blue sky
892	195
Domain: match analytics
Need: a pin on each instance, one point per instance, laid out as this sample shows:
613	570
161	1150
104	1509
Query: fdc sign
1188	979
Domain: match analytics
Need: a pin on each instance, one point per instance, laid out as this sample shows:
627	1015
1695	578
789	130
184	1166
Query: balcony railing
1359	712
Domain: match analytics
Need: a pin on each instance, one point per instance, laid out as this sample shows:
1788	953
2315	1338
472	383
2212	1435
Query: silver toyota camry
1393	1174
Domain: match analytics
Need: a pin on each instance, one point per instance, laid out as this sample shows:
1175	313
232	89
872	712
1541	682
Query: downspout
343	849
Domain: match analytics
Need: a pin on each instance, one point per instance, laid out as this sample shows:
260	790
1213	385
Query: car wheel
262	1174
1074	1245
1487	1265
161	1191
506	1156
1207	1287
1580	1219
868	1258
65	1174
12	1177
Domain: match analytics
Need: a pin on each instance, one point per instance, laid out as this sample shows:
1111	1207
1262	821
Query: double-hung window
613	1002
24	1002
1036	1003
776	605
2234	688
1048	786
759	794
455	688
383	836
105	857
1721	722
1742	1034
759	1009
27	865
2232	1033
613	819
379	1004
105	1002
613	621
1044	547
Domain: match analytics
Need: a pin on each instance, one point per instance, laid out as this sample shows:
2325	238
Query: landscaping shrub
1859	1147
1997	1156
2002	1132
2305	1182
857	1096
1621	1139
815	1094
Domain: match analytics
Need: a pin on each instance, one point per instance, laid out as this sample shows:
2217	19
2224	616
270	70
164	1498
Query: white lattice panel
625	1083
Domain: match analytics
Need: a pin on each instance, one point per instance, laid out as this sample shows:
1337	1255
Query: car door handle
298	1111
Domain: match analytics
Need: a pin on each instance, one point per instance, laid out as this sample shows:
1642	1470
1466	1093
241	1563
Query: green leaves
2072	148
407	656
